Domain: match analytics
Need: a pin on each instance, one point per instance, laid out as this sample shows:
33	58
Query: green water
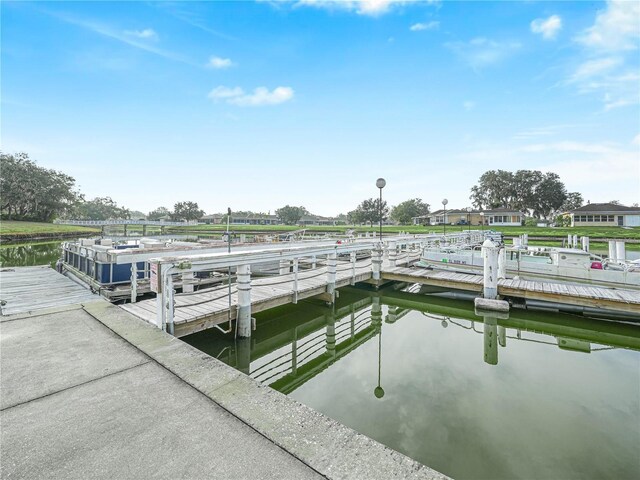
30	254
560	399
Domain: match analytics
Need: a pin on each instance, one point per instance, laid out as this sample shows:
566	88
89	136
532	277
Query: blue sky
255	105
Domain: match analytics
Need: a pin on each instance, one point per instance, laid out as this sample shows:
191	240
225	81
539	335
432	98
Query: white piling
502	264
332	261
285	267
585	243
490	340
187	282
243	320
612	250
393	253
490	258
569	240
621	254
575	241
134	282
517	241
525	239
376	263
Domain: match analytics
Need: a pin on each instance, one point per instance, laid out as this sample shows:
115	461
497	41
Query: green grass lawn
592	232
13	229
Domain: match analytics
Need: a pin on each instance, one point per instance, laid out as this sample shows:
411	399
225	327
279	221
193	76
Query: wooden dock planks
26	289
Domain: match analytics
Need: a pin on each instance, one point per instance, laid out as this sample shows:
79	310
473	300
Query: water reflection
523	395
29	254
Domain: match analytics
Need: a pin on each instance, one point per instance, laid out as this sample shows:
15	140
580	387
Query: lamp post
444	216
378	392
380	183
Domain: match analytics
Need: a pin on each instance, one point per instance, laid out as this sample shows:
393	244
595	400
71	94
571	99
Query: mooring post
243	349
490	258
525	240
621	254
295	280
490	340
376	263
575	241
502	264
569	240
332	261
353	258
585	244
134	282
393	253
187	282
612	250
243	324
169	305
285	267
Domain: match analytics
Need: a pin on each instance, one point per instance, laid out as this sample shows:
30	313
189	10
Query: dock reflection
294	344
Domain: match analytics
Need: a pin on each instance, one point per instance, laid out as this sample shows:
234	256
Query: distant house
214	219
255	219
307	220
605	214
497	217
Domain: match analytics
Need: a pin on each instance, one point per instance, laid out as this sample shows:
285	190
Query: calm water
30	254
529	396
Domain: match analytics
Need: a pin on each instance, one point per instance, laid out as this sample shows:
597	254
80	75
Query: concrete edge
37	312
323	444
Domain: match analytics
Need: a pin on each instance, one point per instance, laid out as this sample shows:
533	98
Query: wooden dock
618	300
201	310
25	289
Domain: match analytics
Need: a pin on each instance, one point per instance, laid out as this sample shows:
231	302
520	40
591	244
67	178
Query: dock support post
393	253
490	257
331	335
585	243
621	255
332	261
159	310
284	267
376	313
243	348
243	324
295	280
187	282
575	241
525	240
502	336
490	340
134	282
569	238
612	250
502	264
376	263
353	267
169	306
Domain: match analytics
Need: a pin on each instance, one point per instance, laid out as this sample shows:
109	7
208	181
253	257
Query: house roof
605	208
451	211
502	210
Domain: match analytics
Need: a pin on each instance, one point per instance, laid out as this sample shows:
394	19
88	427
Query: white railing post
243	320
502	263
295	280
393	253
187	282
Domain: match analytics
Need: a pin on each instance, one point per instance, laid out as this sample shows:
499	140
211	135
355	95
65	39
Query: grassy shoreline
11	231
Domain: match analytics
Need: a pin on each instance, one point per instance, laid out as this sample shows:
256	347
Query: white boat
563	265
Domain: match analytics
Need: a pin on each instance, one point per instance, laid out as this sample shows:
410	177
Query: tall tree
100	208
159	213
404	212
291	215
550	194
186	211
30	192
369	211
496	188
574	200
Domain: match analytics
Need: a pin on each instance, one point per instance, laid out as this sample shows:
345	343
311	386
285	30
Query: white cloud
146	34
418	27
362	7
219	63
548	27
482	52
596	67
616	28
261	96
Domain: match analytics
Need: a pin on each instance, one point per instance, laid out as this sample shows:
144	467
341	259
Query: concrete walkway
90	391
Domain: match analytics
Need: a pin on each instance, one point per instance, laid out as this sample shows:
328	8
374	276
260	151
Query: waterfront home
605	214
493	217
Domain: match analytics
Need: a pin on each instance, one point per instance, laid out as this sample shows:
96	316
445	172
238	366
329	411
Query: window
589	218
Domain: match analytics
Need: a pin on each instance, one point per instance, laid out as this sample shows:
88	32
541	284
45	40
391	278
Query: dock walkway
90	391
580	295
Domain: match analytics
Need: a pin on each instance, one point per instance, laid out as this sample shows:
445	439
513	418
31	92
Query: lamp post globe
380	183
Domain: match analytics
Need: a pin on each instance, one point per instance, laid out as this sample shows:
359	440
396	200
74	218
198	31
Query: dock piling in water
490	257
244	301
